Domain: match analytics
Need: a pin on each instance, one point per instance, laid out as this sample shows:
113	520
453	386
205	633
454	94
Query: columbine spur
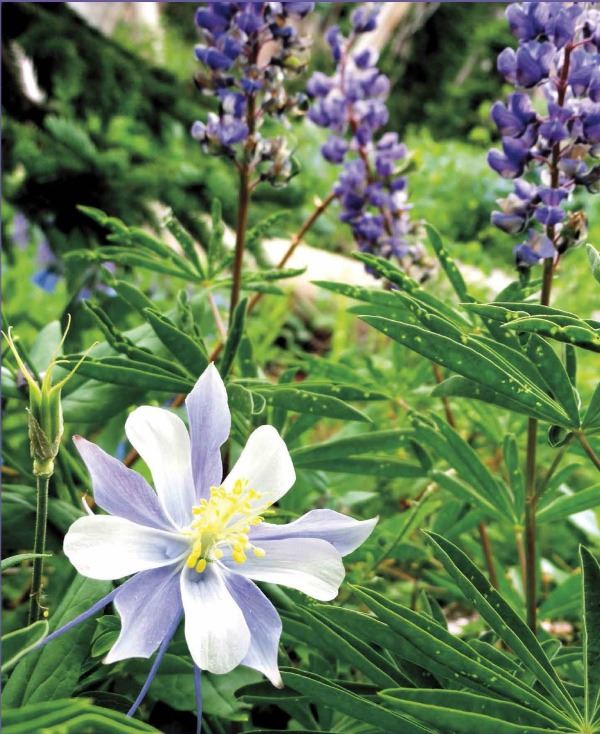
196	545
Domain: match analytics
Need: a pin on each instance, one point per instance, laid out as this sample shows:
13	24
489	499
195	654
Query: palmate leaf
505	622
303	401
70	716
467	713
451	659
466	357
53	672
126	372
449	266
332	694
234	337
189	353
591	637
570	504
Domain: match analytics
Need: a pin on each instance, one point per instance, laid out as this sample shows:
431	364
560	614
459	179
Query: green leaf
53	671
132	295
442	652
466	493
70	716
301	401
234	337
594	258
452	272
185	239
513	467
592	414
330	694
364	443
555	375
185	349
591	636
215	243
468	361
369	466
345	646
579	334
119	372
18	643
467	713
507	624
570	504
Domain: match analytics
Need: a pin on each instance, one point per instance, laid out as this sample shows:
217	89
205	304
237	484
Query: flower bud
45	420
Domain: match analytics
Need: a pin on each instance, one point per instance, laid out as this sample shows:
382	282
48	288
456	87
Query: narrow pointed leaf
591	638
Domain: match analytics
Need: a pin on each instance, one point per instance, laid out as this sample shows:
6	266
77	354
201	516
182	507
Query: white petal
215	629
106	547
149	604
310	565
266	464
161	439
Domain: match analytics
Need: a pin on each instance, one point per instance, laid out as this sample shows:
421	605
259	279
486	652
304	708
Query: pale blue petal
210	423
119	490
344	533
148	604
310	565
264	625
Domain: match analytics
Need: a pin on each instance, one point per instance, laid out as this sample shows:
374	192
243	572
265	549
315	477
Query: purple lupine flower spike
351	103
247	52
196	543
559	51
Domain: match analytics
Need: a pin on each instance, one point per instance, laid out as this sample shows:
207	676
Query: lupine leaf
513	467
132	294
234	336
122	372
466	493
469	362
340	448
570	504
592	414
594	258
470	703
433	710
368	466
186	241
70	716
185	350
591	638
501	617
581	334
300	401
438	647
330	694
555	375
346	647
452	272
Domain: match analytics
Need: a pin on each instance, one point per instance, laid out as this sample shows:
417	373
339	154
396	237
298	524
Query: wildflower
559	49
197	544
351	103
248	51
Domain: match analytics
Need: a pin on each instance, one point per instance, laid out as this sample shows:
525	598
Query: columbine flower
352	105
197	544
559	47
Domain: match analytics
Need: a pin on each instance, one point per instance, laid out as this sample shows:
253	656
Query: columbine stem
198	695
39	547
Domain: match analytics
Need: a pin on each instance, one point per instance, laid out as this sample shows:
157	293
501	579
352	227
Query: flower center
225	519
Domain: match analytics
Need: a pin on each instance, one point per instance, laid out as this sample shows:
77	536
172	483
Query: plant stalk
39	546
586	446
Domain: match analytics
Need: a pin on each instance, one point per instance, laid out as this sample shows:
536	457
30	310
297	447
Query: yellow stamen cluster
225	519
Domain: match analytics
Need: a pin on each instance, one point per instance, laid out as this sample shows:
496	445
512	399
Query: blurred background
98	100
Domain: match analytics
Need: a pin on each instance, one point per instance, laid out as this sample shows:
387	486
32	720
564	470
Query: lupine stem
531	494
585	444
39	547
